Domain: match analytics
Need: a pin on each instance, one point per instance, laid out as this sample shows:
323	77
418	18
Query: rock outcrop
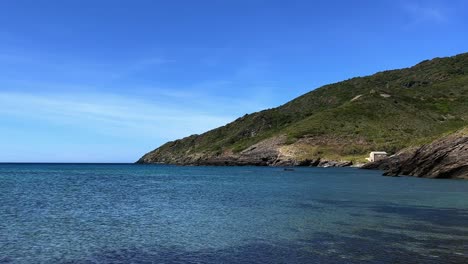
444	158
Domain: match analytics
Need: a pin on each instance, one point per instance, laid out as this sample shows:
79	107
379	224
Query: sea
126	213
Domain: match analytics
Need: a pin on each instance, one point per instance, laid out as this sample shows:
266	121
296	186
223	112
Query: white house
376	155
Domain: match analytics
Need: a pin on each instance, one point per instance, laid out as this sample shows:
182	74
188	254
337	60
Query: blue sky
107	81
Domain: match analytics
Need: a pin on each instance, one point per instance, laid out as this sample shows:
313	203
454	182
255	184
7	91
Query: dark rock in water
332	163
444	158
288	169
390	175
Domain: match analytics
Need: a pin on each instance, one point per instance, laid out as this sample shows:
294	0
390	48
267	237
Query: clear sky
107	81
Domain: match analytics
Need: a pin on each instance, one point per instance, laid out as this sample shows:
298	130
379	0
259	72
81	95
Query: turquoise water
168	214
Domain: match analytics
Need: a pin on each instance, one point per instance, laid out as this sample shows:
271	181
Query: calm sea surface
168	214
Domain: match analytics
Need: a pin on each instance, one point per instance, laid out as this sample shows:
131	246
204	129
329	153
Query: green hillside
343	121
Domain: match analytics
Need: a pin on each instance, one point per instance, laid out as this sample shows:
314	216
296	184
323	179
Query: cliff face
444	158
339	122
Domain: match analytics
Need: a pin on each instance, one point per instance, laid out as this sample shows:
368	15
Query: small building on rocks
377	155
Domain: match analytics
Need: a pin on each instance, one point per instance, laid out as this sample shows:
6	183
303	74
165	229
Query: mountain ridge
339	122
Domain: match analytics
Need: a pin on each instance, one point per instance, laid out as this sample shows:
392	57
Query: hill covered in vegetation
338	123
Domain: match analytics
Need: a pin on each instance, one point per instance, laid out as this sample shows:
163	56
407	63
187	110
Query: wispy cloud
111	114
61	66
141	65
100	110
425	12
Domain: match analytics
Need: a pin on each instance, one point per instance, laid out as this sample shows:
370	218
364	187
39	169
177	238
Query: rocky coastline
270	152
445	158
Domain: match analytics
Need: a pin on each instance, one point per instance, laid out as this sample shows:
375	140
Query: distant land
339	124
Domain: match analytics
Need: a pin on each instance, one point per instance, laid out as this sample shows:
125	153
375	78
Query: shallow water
168	214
